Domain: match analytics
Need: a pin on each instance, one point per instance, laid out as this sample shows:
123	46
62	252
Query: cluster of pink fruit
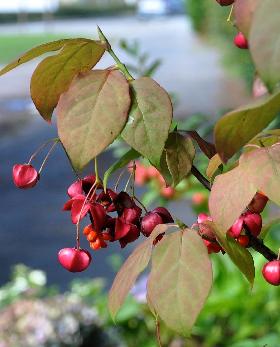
114	216
240	40
249	223
144	174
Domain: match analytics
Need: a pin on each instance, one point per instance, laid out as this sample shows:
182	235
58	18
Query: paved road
190	68
32	226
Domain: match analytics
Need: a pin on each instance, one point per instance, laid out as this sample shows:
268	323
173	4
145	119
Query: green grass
12	46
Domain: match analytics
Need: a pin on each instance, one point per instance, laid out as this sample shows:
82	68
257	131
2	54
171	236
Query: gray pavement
191	68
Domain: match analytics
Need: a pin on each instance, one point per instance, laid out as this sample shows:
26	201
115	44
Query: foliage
96	107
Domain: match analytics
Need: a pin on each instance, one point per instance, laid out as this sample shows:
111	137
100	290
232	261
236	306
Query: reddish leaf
54	74
264	41
92	113
131	269
180	280
243	14
258	170
238	127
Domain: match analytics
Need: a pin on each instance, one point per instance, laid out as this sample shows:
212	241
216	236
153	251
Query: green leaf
92	113
258	170
123	161
239	255
264	41
53	75
243	14
131	269
214	165
36	52
180	153
149	119
180	279
238	127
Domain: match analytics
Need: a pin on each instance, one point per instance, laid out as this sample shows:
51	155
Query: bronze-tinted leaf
36	52
92	113
149	119
264	41
214	164
180	153
243	14
258	170
53	75
131	269
180	280
238	127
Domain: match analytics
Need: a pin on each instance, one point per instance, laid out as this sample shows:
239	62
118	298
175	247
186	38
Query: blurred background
186	45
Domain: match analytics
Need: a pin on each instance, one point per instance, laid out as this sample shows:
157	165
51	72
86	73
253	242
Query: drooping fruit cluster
249	223
114	216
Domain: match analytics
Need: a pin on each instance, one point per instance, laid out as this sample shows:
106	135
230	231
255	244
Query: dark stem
204	181
259	246
254	242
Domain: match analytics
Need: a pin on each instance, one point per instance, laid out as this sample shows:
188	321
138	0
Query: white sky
27	5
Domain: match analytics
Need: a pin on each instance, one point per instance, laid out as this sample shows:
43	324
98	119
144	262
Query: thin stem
97	178
127	183
109	49
133	186
118	180
40	149
92	189
47	156
158	332
204	181
139	201
259	246
230	14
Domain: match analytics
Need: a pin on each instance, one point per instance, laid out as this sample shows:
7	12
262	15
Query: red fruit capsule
25	176
243	240
225	2
240	41
149	222
271	272
73	259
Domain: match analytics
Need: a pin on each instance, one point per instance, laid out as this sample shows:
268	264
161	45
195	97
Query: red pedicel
25	176
73	259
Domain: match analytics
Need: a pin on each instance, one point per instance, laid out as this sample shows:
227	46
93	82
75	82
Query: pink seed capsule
25	176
